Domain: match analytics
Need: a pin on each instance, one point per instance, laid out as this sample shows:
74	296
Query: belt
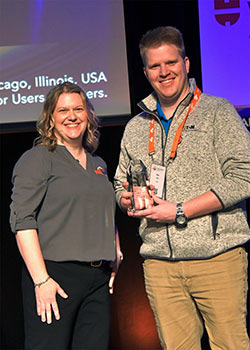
97	263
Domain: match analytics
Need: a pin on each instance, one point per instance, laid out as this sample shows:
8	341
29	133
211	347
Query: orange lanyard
177	138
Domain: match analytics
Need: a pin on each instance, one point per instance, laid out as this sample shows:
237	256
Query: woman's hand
46	300
116	263
47	288
115	266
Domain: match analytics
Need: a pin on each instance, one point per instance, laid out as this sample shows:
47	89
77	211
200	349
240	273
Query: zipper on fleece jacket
214	218
163	147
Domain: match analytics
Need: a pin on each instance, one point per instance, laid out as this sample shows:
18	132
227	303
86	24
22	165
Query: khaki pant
183	294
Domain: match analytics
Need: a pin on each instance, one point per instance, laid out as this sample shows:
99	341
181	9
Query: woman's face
70	118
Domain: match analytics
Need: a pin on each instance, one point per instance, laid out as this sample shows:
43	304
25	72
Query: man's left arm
232	145
232	148
165	211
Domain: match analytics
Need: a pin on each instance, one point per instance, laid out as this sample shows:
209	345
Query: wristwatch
180	219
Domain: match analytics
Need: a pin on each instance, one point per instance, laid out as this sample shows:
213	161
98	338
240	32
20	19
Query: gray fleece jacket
213	155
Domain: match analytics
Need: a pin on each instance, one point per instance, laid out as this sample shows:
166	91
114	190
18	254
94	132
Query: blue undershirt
165	122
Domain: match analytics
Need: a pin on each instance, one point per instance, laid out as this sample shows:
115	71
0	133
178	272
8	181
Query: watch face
181	220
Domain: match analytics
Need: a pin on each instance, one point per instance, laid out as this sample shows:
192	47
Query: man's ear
145	72
187	64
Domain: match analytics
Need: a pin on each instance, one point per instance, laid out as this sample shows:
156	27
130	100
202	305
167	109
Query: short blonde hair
160	36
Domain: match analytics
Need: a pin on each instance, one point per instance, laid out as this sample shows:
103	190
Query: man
196	151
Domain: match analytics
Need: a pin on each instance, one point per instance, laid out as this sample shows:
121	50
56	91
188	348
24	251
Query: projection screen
46	42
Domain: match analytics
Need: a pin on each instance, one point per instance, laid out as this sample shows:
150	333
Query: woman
62	212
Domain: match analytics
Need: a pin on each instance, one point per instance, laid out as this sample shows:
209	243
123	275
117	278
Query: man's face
167	72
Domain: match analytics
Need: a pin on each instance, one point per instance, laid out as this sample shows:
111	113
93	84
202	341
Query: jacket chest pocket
196	143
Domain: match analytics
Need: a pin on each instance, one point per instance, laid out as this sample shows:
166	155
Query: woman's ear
51	123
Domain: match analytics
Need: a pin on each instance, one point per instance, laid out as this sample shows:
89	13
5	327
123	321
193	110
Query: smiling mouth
167	81
71	125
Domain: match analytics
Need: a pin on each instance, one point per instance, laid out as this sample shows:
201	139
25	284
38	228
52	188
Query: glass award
138	184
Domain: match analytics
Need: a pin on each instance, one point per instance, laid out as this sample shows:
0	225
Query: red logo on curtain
224	18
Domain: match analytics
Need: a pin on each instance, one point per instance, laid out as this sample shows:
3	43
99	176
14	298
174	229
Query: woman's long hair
45	126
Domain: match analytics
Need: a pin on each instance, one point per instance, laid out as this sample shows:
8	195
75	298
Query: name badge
157	178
